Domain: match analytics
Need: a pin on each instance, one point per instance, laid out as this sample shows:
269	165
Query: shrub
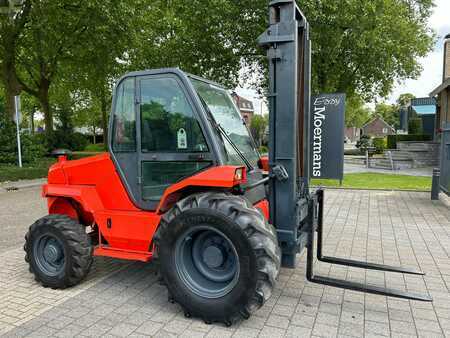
415	126
99	147
379	144
393	139
363	143
67	140
32	146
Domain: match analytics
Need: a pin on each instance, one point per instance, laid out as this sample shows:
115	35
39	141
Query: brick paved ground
386	227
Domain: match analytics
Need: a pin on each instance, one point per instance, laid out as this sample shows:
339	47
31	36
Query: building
423	108
377	127
245	106
442	93
352	134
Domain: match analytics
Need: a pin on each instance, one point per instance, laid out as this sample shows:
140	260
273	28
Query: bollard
435	185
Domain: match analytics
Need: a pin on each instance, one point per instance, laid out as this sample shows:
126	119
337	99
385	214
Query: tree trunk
11	84
45	105
104	108
32	121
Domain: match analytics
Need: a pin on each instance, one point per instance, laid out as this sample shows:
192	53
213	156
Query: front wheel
58	251
218	256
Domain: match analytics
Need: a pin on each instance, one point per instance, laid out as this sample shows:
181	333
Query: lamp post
17	118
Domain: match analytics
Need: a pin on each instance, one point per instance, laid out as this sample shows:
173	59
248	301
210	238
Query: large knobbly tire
254	242
59	251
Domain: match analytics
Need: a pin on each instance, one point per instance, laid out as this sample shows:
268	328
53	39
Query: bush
415	126
393	139
363	143
379	144
67	140
99	147
32	146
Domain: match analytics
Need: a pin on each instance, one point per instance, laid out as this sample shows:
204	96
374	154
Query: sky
430	78
432	64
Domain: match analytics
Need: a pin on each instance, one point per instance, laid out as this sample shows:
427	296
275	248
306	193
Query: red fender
62	206
215	177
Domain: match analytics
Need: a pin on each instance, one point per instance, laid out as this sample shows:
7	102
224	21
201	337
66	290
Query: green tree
12	25
258	126
356	113
208	38
47	36
362	47
390	113
405	99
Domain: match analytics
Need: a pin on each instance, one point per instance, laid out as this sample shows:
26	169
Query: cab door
172	145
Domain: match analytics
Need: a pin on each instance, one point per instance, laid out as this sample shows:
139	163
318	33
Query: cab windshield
228	117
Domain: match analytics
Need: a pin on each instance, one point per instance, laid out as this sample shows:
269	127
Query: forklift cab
168	125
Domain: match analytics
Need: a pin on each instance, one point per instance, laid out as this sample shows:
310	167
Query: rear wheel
218	256
58	251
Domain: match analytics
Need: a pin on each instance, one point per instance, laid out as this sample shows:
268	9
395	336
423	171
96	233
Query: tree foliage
362	47
258	126
390	113
80	48
405	99
356	113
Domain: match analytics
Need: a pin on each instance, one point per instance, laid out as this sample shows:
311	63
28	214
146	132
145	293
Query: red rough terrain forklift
184	185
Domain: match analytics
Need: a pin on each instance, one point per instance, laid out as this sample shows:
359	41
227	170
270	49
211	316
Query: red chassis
90	191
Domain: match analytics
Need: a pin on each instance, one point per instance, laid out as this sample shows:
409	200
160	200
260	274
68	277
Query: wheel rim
207	262
49	254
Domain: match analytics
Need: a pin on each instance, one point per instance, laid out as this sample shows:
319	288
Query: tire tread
78	242
261	236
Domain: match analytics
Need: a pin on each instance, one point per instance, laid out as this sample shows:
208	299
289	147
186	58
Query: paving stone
71	330
192	334
375	328
385	227
96	330
402	327
149	328
326	318
272	332
323	330
377	316
88	320
428	325
303	320
278	321
60	322
122	330
218	332
298	331
351	330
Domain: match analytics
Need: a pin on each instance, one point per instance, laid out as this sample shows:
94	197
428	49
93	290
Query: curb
14	186
368	189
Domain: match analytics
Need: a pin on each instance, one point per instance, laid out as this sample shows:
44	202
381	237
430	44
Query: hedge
393	139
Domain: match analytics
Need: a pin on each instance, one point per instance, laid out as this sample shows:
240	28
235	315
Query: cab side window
167	120
124	123
168	125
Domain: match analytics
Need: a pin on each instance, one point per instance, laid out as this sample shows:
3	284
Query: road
18	210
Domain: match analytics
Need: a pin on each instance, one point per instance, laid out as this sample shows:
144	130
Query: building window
385	130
